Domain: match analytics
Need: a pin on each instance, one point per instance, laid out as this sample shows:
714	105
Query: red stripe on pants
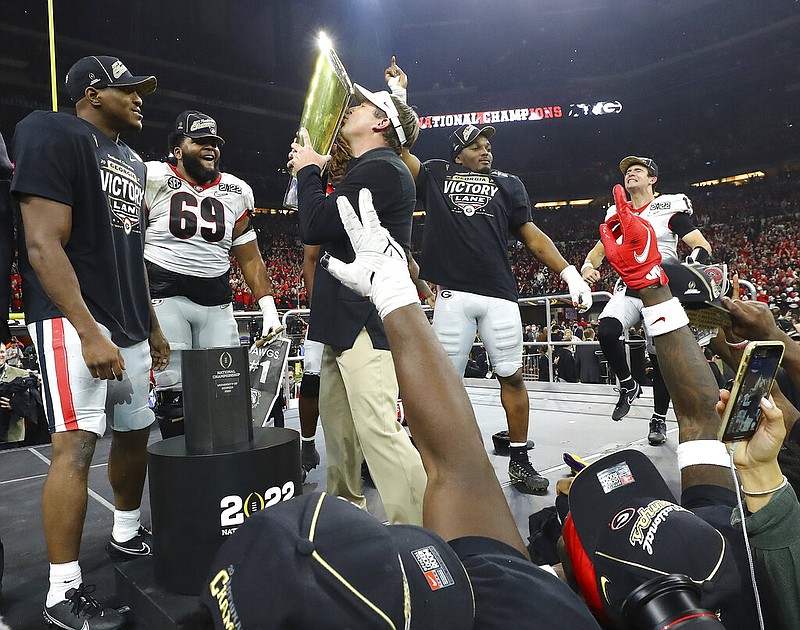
62	376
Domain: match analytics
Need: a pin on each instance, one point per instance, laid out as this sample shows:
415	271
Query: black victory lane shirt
66	159
468	219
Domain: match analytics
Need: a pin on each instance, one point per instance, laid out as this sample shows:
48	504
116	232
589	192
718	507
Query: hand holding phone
753	381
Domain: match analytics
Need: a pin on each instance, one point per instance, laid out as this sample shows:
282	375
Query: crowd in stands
753	228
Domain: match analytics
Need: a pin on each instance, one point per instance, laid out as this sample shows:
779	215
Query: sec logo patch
174	183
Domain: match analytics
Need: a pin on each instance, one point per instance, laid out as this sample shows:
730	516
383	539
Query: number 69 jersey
189	227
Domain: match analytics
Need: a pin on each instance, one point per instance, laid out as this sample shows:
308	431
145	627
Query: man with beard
197	216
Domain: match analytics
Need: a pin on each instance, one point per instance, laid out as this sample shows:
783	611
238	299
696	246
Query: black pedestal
197	501
153	607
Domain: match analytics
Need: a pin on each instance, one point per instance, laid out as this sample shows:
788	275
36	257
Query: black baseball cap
625	528
700	289
317	561
647	162
465	135
102	71
194	124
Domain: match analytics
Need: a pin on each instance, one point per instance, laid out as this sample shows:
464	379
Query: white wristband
703	452
246	237
396	89
663	318
586	265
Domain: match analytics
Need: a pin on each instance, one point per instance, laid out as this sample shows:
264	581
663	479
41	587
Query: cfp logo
225	360
235	509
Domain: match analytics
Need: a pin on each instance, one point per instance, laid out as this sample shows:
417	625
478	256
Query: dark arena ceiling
708	88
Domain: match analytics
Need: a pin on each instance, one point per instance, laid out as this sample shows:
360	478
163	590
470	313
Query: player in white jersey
197	216
670	216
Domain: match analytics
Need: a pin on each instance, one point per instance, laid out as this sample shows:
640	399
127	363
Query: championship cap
194	124
101	71
465	135
625	528
318	561
648	163
700	289
383	101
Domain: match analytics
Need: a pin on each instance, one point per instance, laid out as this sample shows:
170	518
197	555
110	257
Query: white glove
579	291
380	270
270	322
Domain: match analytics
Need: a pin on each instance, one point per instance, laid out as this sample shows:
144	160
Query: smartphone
753	381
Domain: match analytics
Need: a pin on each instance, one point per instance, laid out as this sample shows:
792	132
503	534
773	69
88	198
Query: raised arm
397	80
458	470
689	380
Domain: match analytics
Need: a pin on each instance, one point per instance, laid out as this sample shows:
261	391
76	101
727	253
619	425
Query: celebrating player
196	217
670	216
470	210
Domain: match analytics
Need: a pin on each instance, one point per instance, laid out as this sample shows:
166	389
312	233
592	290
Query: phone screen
756	383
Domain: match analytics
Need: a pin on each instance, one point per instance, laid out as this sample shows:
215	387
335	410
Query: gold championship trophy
328	97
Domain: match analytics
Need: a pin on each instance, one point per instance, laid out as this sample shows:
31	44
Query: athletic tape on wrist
703	452
586	265
570	273
397	90
664	318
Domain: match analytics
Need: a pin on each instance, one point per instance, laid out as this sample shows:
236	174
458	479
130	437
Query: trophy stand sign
327	99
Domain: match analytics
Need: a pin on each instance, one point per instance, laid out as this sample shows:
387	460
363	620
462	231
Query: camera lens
670	601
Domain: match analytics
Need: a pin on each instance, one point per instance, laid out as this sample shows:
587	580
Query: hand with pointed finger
380	269
631	245
394	75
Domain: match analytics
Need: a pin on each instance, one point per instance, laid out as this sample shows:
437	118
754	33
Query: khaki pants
358	409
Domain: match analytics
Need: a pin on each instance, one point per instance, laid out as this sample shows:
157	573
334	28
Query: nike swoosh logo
640	258
661	319
144	550
604	581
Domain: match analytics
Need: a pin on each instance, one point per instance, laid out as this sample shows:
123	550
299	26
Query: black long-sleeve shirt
337	313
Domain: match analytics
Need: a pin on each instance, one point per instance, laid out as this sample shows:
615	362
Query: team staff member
471	208
197	216
80	190
670	217
358	386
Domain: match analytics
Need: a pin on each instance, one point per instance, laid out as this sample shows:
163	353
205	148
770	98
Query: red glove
631	246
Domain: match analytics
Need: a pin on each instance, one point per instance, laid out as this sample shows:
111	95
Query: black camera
669	601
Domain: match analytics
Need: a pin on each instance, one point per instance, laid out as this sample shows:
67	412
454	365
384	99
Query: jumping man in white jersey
197	216
670	216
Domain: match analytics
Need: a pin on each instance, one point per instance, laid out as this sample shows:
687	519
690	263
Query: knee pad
309	386
610	329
